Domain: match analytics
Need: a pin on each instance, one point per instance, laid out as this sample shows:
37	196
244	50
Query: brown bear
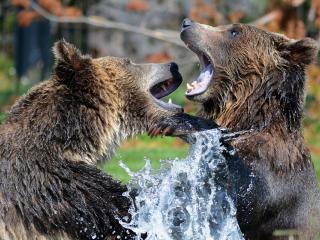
254	80
53	136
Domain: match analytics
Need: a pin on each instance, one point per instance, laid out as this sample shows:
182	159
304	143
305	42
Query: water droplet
186	199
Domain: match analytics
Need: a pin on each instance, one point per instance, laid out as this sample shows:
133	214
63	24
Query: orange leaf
25	17
138	6
158	57
235	16
53	6
72	12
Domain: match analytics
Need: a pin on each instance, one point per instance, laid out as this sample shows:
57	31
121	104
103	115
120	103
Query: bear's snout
187	22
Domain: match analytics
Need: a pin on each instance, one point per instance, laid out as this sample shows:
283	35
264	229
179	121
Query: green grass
2	117
316	161
135	152
10	89
155	150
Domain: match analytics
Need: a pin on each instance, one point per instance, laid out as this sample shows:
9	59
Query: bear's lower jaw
205	78
202	83
169	106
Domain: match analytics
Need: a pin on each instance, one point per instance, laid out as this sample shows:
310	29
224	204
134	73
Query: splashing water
189	198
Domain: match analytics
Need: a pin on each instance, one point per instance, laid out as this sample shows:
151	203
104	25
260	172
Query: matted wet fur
53	137
258	84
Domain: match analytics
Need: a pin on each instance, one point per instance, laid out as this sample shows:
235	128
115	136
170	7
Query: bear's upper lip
163	88
202	83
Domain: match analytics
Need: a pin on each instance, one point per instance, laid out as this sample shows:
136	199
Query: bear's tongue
201	84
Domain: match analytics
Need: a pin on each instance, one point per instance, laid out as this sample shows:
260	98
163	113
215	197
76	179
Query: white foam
187	199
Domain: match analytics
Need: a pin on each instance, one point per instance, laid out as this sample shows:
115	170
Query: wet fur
259	85
262	87
50	187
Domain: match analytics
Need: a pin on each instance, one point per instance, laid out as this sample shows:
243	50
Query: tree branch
267	18
163	35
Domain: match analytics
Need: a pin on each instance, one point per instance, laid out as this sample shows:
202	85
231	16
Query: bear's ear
68	59
302	52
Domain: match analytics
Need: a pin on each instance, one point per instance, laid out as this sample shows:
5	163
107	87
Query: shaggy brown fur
53	137
259	85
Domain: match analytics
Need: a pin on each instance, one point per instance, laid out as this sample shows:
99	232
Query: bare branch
96	21
267	18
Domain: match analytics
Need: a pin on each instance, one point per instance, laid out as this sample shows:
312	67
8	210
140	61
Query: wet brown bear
255	80
53	137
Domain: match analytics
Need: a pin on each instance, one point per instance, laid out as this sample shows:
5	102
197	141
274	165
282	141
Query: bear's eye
234	32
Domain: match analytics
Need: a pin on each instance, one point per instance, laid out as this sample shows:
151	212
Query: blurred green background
145	31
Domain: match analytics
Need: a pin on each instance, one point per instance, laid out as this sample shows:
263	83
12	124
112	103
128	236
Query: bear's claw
179	125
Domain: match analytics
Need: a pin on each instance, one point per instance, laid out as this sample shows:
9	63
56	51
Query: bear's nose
187	22
174	67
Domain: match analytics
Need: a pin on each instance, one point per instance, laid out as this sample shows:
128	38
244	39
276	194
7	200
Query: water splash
187	199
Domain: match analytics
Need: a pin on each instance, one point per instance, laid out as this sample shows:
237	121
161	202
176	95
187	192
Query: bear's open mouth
163	89
202	83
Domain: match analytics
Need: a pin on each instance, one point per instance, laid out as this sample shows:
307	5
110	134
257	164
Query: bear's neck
277	102
274	112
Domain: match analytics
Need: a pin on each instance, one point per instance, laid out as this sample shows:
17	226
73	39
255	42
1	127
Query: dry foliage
205	13
55	7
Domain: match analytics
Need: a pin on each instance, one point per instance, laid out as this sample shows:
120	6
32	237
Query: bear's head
90	104
127	86
248	76
125	96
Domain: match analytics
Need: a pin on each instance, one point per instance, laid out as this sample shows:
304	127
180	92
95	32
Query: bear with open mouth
253	80
52	138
